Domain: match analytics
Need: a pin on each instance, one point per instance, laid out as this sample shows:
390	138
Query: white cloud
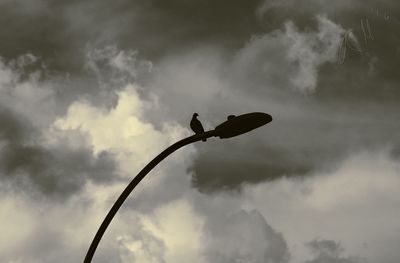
121	130
116	66
312	49
361	179
180	229
291	54
16	221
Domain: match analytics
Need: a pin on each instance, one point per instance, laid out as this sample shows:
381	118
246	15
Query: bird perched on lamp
196	126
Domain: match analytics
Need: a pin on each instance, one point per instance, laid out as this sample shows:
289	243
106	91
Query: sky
92	90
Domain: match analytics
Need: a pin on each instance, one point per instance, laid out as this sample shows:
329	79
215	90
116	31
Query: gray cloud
245	237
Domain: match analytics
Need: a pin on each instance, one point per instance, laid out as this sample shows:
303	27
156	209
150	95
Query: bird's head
195	115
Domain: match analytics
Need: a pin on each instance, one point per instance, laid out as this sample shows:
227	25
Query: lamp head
237	125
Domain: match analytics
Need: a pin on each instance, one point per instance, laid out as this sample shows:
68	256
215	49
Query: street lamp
234	126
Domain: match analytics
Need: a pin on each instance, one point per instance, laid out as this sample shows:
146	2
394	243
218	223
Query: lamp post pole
232	127
135	182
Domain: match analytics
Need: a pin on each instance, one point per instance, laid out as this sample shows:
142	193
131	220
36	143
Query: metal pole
114	209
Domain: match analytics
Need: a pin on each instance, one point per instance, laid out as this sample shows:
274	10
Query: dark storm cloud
33	26
59	31
190	23
11	128
329	251
230	168
55	172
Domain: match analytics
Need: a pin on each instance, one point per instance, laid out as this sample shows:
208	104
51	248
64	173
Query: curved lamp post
235	125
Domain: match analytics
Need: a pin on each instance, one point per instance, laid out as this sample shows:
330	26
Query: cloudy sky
92	90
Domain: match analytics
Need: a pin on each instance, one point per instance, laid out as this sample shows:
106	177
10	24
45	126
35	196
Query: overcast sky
92	90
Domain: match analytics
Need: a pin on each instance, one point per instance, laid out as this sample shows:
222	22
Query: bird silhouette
196	126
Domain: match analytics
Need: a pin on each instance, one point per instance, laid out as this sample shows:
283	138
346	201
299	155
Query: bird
196	126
